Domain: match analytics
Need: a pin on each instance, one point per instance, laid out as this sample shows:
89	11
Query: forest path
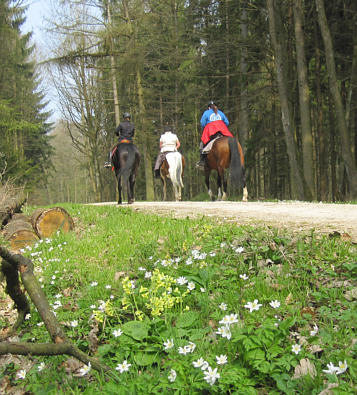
292	215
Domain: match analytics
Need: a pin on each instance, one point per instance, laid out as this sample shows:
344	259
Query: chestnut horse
126	160
173	167
226	152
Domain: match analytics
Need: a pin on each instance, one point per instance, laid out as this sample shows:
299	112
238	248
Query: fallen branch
62	345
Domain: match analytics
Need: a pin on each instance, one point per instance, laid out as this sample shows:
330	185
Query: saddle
209	145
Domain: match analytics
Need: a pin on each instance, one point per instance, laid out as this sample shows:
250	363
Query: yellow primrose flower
109	308
98	315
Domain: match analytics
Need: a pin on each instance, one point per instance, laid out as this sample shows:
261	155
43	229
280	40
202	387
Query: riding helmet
126	115
211	104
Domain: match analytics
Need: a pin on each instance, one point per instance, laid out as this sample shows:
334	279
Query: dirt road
322	217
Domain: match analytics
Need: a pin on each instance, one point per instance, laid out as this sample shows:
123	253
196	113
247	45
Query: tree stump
47	221
20	234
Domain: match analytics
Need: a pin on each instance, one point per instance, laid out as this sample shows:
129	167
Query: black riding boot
201	163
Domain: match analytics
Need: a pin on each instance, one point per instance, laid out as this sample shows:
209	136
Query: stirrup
107	165
200	164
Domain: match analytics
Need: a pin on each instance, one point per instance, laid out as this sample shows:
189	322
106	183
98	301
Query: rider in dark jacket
125	131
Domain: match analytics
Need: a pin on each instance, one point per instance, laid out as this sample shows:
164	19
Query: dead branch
62	345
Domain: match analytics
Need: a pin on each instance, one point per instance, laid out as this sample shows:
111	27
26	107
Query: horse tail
179	169
125	171
236	164
174	160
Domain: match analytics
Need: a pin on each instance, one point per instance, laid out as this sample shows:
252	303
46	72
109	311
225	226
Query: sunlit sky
35	20
35	15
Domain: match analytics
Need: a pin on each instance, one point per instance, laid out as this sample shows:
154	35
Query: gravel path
322	217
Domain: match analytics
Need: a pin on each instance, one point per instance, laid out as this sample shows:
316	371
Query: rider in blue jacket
213	121
209	116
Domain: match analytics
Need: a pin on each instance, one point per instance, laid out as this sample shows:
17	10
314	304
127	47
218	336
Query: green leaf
104	350
198	334
145	359
254	355
286	324
186	319
136	329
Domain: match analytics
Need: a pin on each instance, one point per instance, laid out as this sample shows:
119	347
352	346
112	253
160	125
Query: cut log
47	221
10	206
20	234
22	217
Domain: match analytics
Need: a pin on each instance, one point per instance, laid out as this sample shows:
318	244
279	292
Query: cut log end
48	221
20	234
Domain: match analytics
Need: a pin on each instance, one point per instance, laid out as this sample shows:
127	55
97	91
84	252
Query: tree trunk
113	69
149	181
336	96
304	99
227	55
243	113
352	87
297	190
321	136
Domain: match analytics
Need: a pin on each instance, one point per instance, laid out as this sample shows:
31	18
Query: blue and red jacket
213	123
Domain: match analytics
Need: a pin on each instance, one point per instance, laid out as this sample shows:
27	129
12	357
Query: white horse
173	168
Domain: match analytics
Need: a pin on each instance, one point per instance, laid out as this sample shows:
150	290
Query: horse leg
219	183
130	190
176	191
119	190
207	174
163	179
245	190
224	185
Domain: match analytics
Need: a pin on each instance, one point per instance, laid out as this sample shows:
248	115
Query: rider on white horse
169	142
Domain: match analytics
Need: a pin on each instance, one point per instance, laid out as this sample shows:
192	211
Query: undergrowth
192	307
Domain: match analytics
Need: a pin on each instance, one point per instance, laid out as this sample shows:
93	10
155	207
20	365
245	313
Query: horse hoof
131	201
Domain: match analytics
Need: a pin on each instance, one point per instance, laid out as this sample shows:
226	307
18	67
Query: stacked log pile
21	230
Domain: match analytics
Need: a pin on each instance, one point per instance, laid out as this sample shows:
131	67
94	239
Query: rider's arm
224	118
178	144
204	119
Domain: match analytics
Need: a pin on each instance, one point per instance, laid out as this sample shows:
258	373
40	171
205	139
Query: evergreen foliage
24	143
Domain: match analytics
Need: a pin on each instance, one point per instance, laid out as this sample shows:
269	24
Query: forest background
283	71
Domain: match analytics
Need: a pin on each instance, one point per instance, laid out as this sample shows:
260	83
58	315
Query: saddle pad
208	147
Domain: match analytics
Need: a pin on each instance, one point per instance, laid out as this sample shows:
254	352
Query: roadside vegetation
192	307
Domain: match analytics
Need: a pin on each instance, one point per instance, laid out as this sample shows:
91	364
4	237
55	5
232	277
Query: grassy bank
193	306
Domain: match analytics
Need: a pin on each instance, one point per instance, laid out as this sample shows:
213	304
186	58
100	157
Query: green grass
114	249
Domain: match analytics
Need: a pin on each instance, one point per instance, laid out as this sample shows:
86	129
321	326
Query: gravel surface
300	216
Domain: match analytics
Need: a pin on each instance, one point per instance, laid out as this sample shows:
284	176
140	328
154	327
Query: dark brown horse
226	152
173	168
126	160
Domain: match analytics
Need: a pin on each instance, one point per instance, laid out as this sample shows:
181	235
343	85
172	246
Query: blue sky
35	15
